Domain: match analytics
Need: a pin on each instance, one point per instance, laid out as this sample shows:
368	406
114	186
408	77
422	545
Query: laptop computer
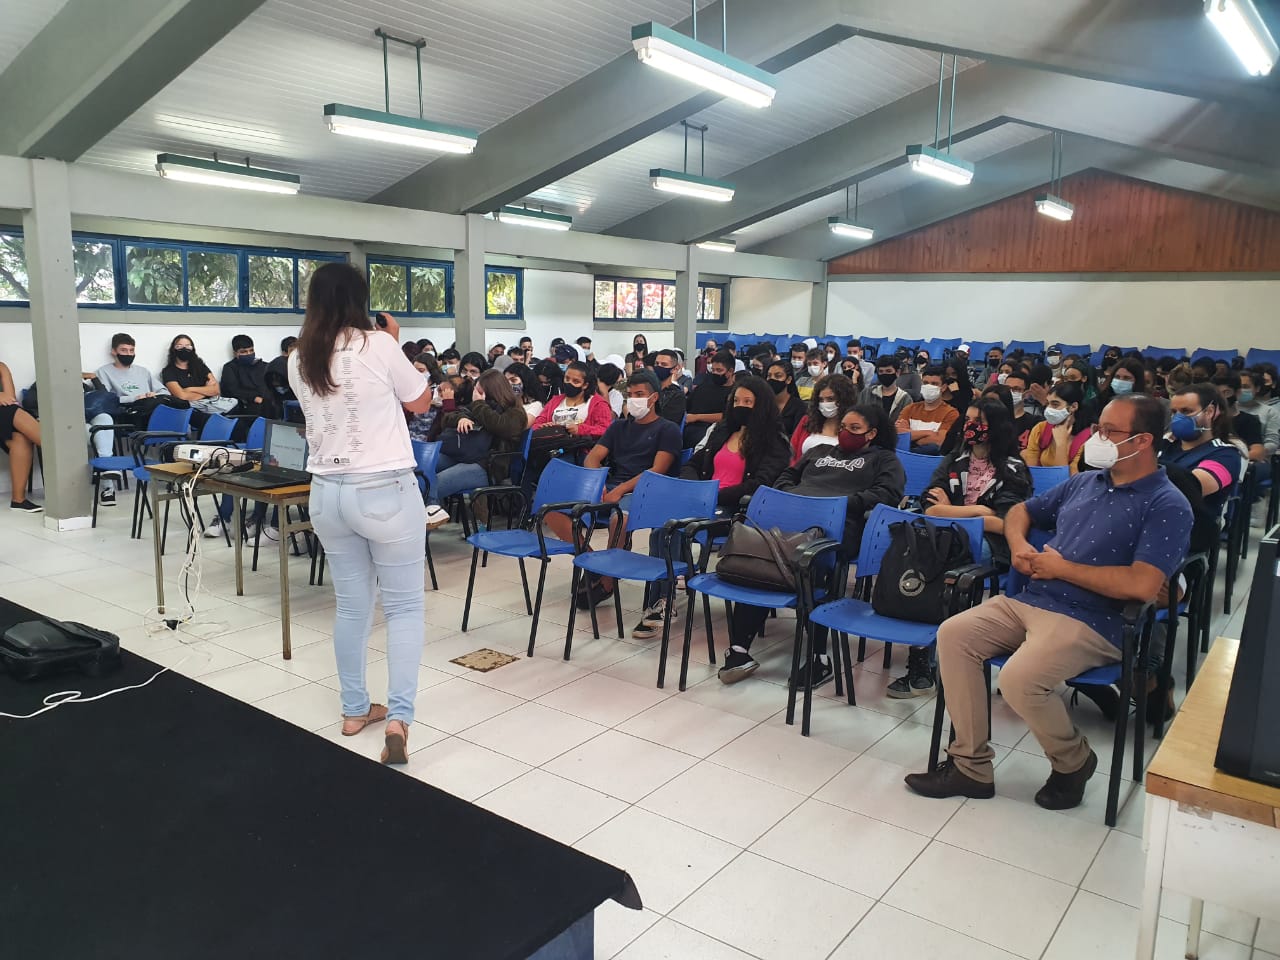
284	459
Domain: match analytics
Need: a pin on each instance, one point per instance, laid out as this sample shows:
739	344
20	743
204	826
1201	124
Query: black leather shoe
1105	698
948	781
1062	791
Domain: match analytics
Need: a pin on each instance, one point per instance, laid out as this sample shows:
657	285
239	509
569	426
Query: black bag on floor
912	583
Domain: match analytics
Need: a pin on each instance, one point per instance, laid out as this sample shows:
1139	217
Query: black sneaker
650	624
26	506
738	665
1062	791
908	686
107	498
592	593
822	672
948	781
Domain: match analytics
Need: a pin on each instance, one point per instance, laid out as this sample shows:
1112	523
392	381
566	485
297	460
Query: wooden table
1207	834
170	475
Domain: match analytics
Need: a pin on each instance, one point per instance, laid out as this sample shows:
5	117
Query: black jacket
244	383
1000	496
763	466
792	414
872	475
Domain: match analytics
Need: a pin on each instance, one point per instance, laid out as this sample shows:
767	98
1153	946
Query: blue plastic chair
904	442
919	468
663	505
1137	625
1033	348
562	487
1156	353
1256	356
855	615
1046	478
978	350
426	456
1081	349
257	436
217	429
1224	355
165	425
770	509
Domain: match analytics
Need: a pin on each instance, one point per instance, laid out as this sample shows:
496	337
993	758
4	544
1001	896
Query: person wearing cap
681	376
565	354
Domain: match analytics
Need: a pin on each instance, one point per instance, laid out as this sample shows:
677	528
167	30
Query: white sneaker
436	517
214	529
250	529
270	533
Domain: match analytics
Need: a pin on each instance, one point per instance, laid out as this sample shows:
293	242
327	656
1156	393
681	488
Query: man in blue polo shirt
1121	531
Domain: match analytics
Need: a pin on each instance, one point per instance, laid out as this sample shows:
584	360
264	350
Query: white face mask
1054	360
828	410
830	356
1056	415
1017	397
930	392
1105	454
815	369
1001	378
797	364
638	407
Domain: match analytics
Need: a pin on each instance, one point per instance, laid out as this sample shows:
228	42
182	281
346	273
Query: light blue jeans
372	526
454	477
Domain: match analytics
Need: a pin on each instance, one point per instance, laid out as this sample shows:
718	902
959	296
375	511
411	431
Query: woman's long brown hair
337	301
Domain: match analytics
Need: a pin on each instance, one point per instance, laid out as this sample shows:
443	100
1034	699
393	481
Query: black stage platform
174	821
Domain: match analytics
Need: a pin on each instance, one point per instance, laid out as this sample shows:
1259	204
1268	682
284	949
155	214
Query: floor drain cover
484	660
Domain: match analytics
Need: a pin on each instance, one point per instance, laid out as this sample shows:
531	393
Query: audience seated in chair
1122	530
19	437
930	418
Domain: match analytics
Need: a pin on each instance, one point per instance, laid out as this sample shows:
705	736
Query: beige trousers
1046	649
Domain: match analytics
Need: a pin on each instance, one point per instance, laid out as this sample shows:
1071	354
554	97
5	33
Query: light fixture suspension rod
846	203
693	17
417	45
856	185
937	118
724	25
952	119
702	129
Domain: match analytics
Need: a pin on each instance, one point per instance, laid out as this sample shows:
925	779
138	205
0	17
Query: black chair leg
97	485
935	738
524	582
471	586
795	672
807	632
431	565
667	609
1117	747
837	668
573	610
617	605
537	606
862	649
888	655
706	616
688	636
591	607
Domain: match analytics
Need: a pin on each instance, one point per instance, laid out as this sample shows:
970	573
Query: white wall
1218	314
769	306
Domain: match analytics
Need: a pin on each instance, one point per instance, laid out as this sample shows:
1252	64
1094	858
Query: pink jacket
599	416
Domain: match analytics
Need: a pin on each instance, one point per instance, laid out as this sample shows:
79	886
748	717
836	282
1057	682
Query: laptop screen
286	446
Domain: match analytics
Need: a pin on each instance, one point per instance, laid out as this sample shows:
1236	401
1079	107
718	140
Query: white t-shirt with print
563	415
360	427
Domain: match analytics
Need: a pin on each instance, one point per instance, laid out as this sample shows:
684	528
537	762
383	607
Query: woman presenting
354	384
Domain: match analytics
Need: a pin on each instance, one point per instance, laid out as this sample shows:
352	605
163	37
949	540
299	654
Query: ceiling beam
608	110
96	63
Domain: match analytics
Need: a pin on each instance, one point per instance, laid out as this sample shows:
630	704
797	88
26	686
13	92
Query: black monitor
1249	746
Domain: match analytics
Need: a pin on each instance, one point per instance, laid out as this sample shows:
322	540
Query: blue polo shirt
1100	524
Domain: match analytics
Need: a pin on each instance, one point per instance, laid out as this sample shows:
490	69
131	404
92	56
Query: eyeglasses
1108	433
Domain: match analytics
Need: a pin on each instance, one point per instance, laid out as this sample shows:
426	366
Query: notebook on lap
284	459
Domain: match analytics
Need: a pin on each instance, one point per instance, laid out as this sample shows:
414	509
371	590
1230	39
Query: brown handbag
764	559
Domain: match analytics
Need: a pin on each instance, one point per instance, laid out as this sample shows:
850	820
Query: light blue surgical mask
1245	396
1121	387
1184	426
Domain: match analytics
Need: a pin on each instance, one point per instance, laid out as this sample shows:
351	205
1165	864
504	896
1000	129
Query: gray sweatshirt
129	383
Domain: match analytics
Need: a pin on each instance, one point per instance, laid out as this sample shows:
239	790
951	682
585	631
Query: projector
220	454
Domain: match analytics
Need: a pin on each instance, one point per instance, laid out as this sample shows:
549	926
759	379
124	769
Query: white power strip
204	452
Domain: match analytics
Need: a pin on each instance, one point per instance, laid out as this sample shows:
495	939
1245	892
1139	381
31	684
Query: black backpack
912	583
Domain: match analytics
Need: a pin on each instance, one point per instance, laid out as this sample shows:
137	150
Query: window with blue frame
653	301
424	288
114	272
503	293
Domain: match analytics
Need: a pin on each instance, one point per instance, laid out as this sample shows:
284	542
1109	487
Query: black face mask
571	391
737	417
125	359
184	354
887	379
718	379
777	386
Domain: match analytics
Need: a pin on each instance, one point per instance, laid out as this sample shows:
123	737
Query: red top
599	415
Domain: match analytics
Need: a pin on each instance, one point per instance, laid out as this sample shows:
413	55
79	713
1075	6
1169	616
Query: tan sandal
397	748
377	713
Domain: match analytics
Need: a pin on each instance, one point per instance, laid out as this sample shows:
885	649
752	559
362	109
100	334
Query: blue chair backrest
426	456
919	468
791	512
1017	582
1155	353
978	349
1034	347
658	498
217	429
904	442
1046	478
1082	349
1227	355
169	420
876	535
564	482
257	438
1257	356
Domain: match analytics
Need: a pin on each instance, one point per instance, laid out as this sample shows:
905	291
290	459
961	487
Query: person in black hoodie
863	467
244	378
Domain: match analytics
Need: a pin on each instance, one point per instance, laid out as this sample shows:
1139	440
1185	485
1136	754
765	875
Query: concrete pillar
686	322
469	288
55	332
818	310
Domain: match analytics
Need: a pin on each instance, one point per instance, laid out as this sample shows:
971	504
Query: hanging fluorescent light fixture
388	127
719	246
1050	204
1245	32
215	173
847	226
933	161
524	217
687	58
688	184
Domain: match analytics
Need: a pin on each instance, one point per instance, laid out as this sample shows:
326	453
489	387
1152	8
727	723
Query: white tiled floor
745	840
